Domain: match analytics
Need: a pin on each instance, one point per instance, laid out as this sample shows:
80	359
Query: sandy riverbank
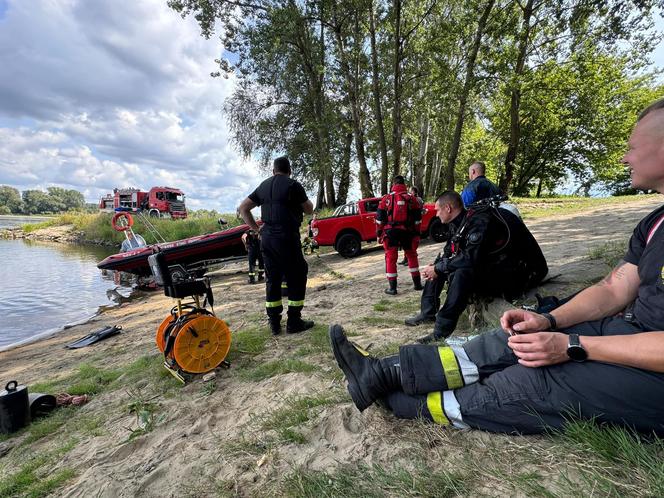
226	437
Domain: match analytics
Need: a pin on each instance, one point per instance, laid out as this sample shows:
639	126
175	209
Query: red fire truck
157	202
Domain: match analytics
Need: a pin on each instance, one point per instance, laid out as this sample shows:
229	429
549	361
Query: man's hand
539	349
429	273
523	322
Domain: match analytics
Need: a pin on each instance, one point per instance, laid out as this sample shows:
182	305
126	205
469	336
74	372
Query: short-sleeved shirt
649	257
280	198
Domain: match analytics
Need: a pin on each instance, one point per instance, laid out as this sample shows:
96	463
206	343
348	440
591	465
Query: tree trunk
378	113
467	88
419	171
320	195
515	100
344	176
396	109
352	92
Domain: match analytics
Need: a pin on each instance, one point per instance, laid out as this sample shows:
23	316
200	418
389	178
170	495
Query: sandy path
194	446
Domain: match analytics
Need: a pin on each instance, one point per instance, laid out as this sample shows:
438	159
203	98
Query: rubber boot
392	289
435	336
295	324
251	280
404	262
369	379
261	277
417	282
275	324
418	319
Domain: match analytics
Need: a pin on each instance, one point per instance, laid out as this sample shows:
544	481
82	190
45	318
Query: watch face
577	353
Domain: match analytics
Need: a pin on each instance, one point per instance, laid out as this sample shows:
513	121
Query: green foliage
10	200
610	252
54	200
97	226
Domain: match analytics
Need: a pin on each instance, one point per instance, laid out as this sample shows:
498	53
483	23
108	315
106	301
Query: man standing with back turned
283	202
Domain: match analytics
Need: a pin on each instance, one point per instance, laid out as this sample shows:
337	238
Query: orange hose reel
201	341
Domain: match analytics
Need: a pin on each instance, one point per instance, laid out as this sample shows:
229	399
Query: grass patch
146	415
32	478
389	349
397	306
532	208
249	341
339	275
375	481
277	367
316	341
295	412
380	321
610	252
624	462
46	426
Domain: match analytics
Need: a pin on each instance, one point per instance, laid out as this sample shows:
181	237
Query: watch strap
553	325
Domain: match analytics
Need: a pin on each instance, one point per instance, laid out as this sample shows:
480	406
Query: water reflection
48	285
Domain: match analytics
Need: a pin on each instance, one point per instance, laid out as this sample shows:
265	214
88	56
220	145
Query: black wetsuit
482	257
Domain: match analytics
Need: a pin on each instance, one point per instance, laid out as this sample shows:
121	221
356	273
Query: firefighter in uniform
490	253
283	202
581	360
252	243
398	221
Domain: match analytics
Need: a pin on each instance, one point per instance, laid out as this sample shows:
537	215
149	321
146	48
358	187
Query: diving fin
97	336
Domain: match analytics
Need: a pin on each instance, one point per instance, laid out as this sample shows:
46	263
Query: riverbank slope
279	421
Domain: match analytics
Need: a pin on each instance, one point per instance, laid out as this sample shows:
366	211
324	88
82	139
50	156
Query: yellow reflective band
435	406
273	304
451	367
360	349
284	285
295	303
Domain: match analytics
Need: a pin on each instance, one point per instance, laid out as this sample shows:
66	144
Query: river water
46	286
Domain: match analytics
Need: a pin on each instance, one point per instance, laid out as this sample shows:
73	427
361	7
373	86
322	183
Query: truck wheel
439	231
154	213
349	245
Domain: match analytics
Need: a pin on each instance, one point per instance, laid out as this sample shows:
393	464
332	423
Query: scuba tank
14	408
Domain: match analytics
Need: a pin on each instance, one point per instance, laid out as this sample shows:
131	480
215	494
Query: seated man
582	360
491	252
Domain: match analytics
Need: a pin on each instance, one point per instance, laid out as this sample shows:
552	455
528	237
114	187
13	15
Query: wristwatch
575	350
553	325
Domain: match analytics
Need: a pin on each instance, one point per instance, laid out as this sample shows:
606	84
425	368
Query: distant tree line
54	200
540	90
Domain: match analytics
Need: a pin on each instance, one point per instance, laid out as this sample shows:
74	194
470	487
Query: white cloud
96	95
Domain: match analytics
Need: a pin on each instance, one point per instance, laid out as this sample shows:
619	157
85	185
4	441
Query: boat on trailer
194	254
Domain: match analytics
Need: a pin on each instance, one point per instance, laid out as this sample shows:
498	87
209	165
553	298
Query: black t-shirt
280	198
649	257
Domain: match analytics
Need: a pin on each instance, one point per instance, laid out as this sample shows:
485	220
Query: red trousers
409	246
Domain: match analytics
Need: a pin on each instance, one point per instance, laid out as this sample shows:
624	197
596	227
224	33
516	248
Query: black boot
418	319
417	282
435	336
275	324
293	326
392	289
260	276
369	379
252	279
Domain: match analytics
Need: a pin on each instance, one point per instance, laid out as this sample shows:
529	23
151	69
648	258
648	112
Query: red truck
157	202
355	222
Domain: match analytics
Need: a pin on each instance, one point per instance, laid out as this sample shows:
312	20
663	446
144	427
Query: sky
102	94
97	94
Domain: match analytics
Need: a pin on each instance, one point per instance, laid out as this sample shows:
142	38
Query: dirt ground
233	435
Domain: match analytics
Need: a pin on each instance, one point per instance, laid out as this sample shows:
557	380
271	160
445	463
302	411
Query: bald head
476	169
645	154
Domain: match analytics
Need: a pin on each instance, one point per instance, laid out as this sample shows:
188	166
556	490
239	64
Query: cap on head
282	165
